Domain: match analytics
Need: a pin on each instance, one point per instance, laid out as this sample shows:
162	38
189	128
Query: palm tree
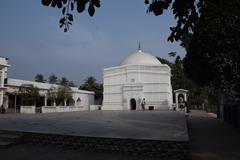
52	79
90	84
39	78
64	81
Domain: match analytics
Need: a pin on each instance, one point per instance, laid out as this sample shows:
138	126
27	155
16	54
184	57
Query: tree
52	94
90	84
52	79
64	93
68	6
64	81
71	84
178	77
213	54
59	94
172	54
197	94
39	78
29	94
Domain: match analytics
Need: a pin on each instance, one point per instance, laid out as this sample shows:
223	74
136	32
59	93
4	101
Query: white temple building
140	76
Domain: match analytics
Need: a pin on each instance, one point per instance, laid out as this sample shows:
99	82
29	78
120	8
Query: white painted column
2	85
75	103
1	97
185	97
15	103
2	77
65	102
176	98
45	100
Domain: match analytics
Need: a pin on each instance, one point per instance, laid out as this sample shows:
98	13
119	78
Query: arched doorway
133	104
181	100
79	102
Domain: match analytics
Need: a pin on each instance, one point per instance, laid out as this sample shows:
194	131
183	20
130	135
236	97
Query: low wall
95	107
51	109
173	150
28	109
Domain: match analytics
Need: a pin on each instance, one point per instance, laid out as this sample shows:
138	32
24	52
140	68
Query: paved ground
211	139
151	125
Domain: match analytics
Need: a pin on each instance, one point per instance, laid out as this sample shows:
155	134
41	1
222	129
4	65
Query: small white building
3	76
81	99
181	99
140	76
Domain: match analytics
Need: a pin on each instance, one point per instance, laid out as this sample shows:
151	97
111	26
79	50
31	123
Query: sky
32	40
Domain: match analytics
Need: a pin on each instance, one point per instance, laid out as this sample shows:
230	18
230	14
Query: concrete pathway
212	139
147	125
141	125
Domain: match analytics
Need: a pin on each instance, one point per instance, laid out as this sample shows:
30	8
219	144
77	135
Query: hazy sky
30	37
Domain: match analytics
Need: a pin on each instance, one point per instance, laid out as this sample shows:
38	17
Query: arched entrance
181	100
133	104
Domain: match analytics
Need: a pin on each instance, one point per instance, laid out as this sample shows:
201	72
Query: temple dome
141	58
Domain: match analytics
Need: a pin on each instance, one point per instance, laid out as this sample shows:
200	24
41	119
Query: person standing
143	103
2	109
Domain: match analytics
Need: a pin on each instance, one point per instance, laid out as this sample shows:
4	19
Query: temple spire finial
139	46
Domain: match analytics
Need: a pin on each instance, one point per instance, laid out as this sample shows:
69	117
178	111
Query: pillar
45	100
2	77
176	100
15	103
1	85
1	97
75	103
185	97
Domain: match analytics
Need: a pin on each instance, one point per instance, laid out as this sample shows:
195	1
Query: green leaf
80	6
91	9
96	3
62	20
54	3
46	2
70	17
63	10
72	6
59	4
